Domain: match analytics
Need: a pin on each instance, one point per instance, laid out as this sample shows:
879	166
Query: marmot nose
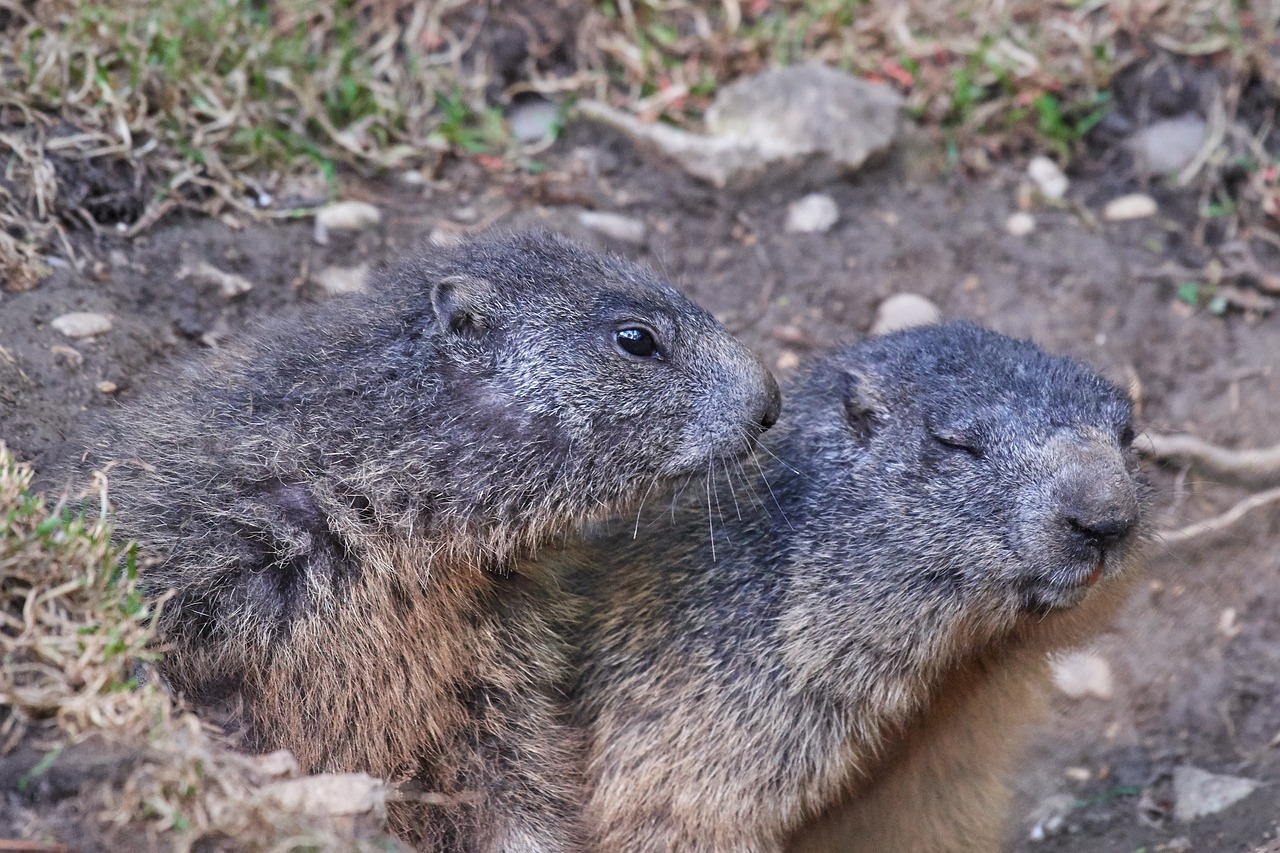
1102	531
772	404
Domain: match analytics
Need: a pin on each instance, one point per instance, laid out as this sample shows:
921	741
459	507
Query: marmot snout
940	507
339	502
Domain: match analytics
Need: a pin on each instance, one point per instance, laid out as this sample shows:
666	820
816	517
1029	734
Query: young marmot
942	506
339	501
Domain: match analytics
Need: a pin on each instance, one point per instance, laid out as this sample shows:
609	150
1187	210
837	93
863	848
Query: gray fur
338	503
932	510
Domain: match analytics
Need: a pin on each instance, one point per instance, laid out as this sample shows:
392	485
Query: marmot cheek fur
941	507
338	500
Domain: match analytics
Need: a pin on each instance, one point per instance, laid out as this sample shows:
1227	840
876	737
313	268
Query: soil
1189	686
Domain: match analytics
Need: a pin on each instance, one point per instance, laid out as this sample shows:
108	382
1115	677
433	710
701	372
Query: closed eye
955	441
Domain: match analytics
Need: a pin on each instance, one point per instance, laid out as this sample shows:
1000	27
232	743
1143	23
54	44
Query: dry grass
74	632
114	114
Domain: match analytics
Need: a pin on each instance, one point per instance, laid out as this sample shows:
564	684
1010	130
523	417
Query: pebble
82	324
1050	817
344	216
1134	206
1081	674
330	794
106	386
772	124
1197	792
788	360
904	311
614	225
1020	224
444	237
816	213
1167	146
335	281
67	356
533	121
230	284
1048	178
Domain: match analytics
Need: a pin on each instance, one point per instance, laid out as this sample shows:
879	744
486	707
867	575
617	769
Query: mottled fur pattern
941	507
339	502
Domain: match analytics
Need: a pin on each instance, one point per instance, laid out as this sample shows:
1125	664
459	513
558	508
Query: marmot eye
1127	436
638	342
952	441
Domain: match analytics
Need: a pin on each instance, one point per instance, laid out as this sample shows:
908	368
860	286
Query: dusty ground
1185	690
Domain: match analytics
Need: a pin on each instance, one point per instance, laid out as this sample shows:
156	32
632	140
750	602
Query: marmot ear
460	303
861	405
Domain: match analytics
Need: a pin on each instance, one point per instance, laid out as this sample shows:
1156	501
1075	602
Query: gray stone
82	324
344	216
775	122
815	213
335	281
1168	146
1048	177
1020	224
533	121
1197	792
904	311
1049	818
1132	206
1081	674
625	228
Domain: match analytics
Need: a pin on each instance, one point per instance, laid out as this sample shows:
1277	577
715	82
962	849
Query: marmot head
977	463
586	373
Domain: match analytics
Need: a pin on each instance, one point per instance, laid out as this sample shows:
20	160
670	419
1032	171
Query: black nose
1102	531
772	406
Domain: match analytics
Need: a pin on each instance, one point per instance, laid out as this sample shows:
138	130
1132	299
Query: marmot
338	503
939	508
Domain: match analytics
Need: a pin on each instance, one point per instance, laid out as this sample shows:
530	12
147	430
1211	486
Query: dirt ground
1189	686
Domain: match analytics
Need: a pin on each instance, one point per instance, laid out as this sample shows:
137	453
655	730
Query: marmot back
338	503
940	507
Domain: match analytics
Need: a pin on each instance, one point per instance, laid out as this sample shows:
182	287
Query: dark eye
638	342
1127	436
956	441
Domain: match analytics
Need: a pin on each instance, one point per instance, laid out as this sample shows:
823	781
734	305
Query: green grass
222	102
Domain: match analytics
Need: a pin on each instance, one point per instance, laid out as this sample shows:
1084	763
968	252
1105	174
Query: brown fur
864	639
342	502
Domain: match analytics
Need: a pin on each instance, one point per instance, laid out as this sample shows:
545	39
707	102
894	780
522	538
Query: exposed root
1218	522
1255	463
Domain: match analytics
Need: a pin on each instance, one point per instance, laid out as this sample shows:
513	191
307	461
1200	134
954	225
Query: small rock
1197	792
230	284
1135	206
1080	674
106	386
816	213
335	281
1229	623
330	794
1078	774
67	356
444	237
82	324
773	123
904	311
614	225
1050	817
280	763
1020	224
1168	146
1048	178
533	121
344	216
788	360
